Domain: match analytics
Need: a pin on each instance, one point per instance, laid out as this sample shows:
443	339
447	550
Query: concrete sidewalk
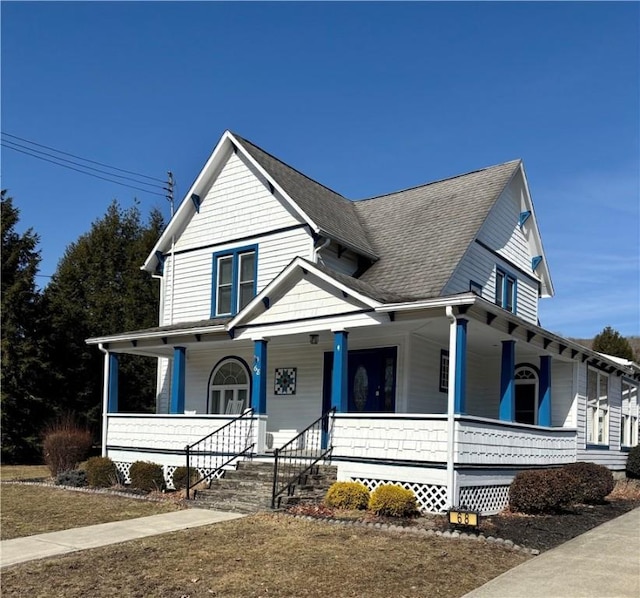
602	563
21	550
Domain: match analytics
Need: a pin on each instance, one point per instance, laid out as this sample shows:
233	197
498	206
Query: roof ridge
457	176
289	166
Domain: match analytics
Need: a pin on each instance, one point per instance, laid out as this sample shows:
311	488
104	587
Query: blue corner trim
178	380
339	389
461	367
112	403
259	377
524	216
535	262
196	201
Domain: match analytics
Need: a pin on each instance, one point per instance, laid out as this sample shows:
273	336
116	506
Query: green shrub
347	495
542	491
76	478
393	501
633	462
180	477
593	482
101	472
146	476
65	444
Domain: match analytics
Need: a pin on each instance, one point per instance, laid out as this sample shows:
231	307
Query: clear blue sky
366	98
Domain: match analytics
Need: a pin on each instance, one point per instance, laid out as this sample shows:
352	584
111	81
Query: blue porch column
544	402
507	398
177	381
112	404
339	390
460	403
259	377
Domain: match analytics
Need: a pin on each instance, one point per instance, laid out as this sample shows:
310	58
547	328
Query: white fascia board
464	299
545	275
186	207
154	335
292	204
282	279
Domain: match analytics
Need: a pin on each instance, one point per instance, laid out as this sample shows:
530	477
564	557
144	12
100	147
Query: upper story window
234	280
629	422
597	407
506	290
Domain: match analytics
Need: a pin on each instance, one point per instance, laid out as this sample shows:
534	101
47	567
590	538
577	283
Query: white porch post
451	407
105	399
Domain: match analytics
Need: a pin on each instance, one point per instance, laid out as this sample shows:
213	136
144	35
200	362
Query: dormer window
506	290
234	280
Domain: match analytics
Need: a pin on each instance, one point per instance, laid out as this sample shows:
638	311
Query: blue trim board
235	265
112	402
339	390
196	201
544	400
507	369
259	375
524	216
535	262
178	380
461	367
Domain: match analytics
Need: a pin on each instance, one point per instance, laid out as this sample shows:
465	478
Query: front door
371	380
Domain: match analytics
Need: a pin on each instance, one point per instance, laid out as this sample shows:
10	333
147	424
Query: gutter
105	399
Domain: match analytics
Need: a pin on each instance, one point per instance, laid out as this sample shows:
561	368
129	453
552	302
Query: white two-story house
413	316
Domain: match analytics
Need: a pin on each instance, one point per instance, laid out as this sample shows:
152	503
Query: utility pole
169	189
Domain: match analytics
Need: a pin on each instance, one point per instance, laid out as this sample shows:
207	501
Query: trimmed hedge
101	472
347	495
180	477
592	482
542	491
77	478
633	462
146	476
393	501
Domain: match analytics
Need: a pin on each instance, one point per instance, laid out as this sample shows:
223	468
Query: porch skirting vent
431	498
484	499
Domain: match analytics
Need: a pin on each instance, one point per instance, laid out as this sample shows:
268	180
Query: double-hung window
629	421
597	407
505	290
234	280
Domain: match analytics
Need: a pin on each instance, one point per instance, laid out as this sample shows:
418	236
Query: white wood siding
347	263
424	394
238	204
191	299
563	412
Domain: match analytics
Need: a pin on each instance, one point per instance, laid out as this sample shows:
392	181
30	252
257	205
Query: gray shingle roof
422	233
334	214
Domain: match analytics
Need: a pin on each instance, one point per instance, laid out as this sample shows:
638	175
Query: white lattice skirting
431	498
484	499
168	470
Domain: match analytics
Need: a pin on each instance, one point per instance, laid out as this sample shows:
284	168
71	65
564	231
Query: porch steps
248	488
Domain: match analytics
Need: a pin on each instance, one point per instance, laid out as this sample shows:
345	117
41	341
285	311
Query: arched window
526	394
229	387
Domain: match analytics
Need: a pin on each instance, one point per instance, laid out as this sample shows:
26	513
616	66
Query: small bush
74	477
393	501
101	472
592	482
65	444
180	477
146	476
347	495
633	462
542	491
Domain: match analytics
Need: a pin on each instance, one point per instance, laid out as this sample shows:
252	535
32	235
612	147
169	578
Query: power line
28	153
15	145
84	159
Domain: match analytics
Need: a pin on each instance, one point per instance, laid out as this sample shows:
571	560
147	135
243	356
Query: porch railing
298	456
211	454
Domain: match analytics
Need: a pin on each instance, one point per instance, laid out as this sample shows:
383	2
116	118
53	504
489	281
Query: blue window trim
506	277
444	353
235	263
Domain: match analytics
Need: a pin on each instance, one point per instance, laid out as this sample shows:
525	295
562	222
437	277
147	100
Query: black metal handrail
223	446
298	456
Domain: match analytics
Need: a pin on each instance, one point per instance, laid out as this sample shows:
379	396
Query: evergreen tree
98	289
611	342
23	412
